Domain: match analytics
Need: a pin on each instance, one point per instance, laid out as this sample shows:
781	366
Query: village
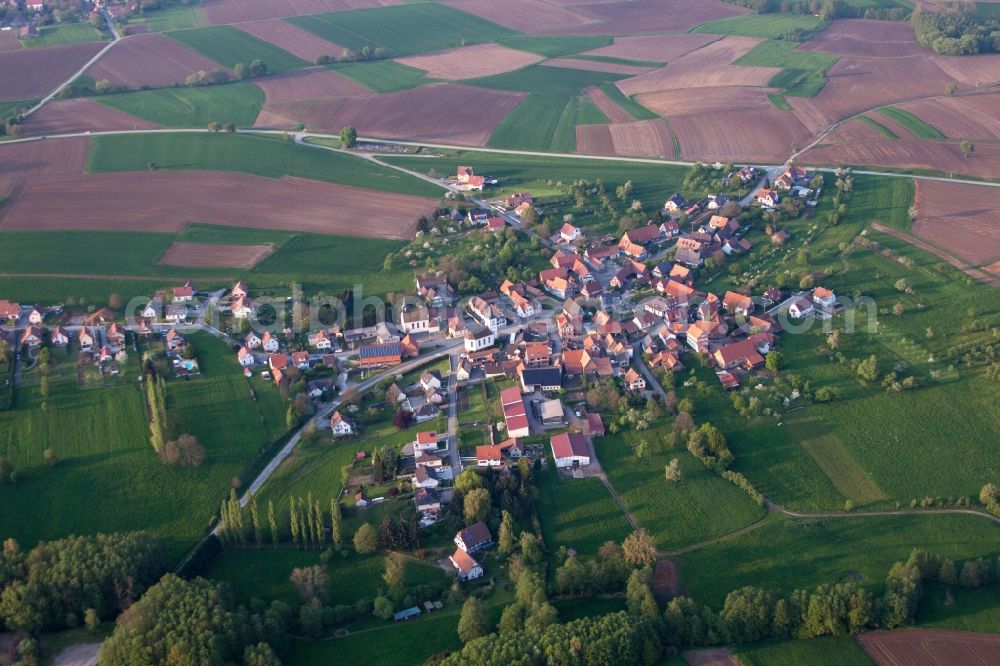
618	313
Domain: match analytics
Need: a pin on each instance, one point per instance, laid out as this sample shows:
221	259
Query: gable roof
475	533
569	444
463	561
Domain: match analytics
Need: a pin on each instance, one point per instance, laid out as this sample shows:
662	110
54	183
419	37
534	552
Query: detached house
479	338
801	307
245	357
59	337
768	198
415	319
634	381
32	336
474	538
36	316
467	567
675	203
570	233
824	298
243	308
270	343
488	314
9	311
240	290
320	340
183	294
737	304
339	427
86	339
115	335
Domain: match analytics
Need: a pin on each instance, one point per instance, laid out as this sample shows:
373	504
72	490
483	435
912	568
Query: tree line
959	33
825	9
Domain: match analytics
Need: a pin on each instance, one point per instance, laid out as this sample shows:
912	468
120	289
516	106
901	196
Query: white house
339	427
245	357
474	538
426	441
488	314
177	312
570	450
430	381
414	320
152	310
252	340
59	337
36	316
270	343
240	290
481	338
183	294
425	477
824	298
320	340
570	233
802	307
467	567
243	309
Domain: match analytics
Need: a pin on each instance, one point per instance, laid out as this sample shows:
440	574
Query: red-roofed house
570	233
183	294
735	303
595	426
32	336
474	537
634	381
738	354
570	450
467	567
10	311
340	427
823	297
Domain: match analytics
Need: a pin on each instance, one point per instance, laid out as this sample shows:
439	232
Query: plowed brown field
708	67
8	41
31	73
469	62
644	138
681	102
148	60
930	647
210	255
597	66
309	84
594	140
149	201
854	130
80	115
237	11
637	17
710	657
756	135
974	71
959	218
447	112
291	38
608	107
965	117
523	15
869	39
23	162
657	48
943	156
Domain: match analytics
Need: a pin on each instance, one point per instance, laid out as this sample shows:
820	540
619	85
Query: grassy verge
174	17
636	110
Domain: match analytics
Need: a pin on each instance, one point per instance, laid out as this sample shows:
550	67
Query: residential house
570	233
380	355
689	252
669	228
174	340
32	336
144	329
536	353
545	378
495	224
518	198
801	307
415	319
320	341
489	456
742	354
467	567
427	440
737	304
386	331
477	216
427	500
824	298
456	327
634	381
300	360
9	311
570	450
768	198
86	339
430	380
339	426
240	290
675	204
270	343
487	313
245	357
474	538
177	313
681	274
153	310
479	338
697	336
183	294
59	337
435	291
425	477
243	308
36	316
361	499
115	335
409	346
737	246
747	174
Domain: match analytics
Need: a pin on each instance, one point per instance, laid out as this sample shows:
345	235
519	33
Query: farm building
467	567
514	413
570	450
381	355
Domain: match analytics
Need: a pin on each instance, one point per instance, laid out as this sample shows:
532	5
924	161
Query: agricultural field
829	650
887	648
803	74
80	114
110	450
767	26
228	46
64	34
402	29
33	73
960	609
172	17
917	127
148	60
578	513
785	554
238	103
553	46
383	76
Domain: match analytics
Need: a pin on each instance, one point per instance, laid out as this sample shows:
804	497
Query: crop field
948	218
969	116
31	73
80	114
793	553
402	29
259	156
607	65
291	38
632	107
917	127
308	84
523	15
803	74
840	650
884	131
550	81
659	48
870	39
702	506
238	103
214	255
767	26
553	46
383	76
766	135
228	46
148	60
578	513
110	451
631	17
931	646
174	17
470	62
64	34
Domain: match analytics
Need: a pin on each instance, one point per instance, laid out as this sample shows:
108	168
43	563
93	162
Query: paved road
97	56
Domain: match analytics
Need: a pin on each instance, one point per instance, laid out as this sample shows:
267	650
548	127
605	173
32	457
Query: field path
115	38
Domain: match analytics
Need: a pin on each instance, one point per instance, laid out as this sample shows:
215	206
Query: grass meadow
803	73
383	76
271	157
791	553
700	507
64	34
920	129
822	651
186	106
402	29
108	478
766	26
173	17
960	609
228	46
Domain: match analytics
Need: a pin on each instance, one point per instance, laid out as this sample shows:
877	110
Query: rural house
634	381
245	357
86	339
9	311
270	343
59	337
182	294
340	427
737	304
467	567
570	233
801	307
474	538
570	450
240	290
32	336
320	340
479	338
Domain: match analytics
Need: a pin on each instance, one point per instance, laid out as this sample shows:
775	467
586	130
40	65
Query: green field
803	73
917	127
823	651
767	26
173	17
402	29
228	46
264	574
270	157
620	61
879	127
383	76
587	112
63	34
238	103
700	507
960	609
792	553
108	478
542	80
8	108
555	46
636	110
578	513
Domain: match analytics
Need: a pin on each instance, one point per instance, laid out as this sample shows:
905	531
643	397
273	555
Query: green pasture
917	127
879	127
803	73
766	26
960	609
187	106
173	17
64	34
636	110
229	46
822	651
383	76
